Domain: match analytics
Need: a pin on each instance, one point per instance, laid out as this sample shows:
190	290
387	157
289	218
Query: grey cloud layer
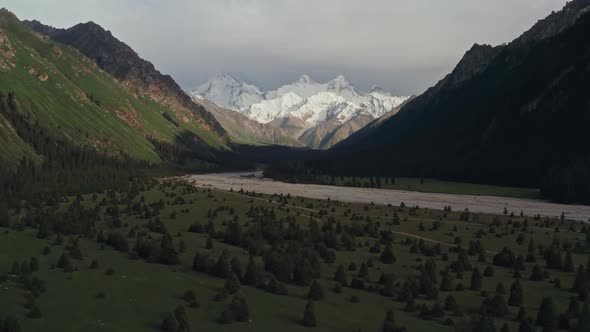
404	46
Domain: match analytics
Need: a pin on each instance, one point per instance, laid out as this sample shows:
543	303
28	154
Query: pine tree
34	264
252	276
222	267
209	243
387	256
476	282
389	323
315	292
4	215
537	273
232	283
169	323
240	309
11	324
309	317
525	326
584	319
451	304
547	316
516	294
182	319
568	266
363	271
340	275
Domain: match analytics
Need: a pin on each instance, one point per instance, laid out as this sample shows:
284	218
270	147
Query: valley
135	197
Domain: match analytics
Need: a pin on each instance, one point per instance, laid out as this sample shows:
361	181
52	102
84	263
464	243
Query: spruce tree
387	256
516	297
10	324
309	317
568	266
340	275
363	271
182	319
4	215
252	276
239	307
169	323
547	316
584	319
476	282
389	323
232	283
315	292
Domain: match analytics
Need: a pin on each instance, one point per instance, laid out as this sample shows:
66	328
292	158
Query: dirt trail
481	204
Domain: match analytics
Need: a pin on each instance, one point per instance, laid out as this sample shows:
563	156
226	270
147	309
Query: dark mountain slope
514	114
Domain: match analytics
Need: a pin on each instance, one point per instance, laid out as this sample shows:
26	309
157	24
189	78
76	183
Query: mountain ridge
303	107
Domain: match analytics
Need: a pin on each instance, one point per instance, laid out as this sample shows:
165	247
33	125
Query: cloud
404	46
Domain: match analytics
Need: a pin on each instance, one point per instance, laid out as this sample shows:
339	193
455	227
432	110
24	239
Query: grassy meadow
137	293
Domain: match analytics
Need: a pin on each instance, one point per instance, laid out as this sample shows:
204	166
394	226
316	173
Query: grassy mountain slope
136	75
69	96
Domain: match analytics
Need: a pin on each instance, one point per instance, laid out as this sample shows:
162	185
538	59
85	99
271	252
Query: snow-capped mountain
228	92
302	105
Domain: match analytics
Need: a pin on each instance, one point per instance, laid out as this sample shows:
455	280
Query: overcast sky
402	46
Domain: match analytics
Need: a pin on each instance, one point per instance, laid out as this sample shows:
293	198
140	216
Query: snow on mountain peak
304	99
304	79
227	91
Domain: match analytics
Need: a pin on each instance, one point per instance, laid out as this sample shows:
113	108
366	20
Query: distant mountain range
514	114
317	115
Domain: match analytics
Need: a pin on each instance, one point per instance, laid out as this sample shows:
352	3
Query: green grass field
139	294
434	186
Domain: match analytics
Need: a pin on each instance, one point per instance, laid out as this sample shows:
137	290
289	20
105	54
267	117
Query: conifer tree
315	292
169	323
387	256
389	323
547	316
309	317
476	282
516	297
232	284
340	275
252	276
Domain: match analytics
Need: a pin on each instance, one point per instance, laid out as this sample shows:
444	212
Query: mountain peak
376	88
305	79
6	14
225	77
340	82
341	79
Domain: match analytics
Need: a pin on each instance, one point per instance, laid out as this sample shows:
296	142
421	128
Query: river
253	181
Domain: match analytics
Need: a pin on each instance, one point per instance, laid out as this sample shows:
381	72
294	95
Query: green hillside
65	93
